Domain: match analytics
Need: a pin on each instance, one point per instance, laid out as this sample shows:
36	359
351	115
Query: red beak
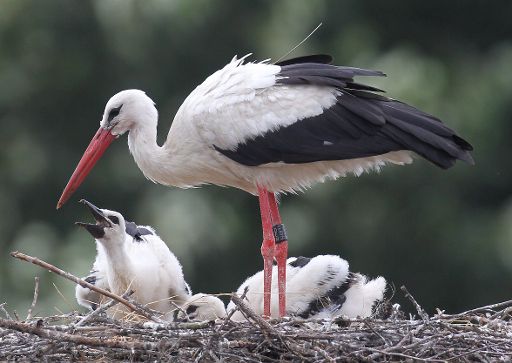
99	143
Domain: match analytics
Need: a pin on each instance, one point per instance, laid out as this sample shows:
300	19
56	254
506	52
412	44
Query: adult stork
272	128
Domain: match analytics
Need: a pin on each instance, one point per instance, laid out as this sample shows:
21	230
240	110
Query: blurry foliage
447	235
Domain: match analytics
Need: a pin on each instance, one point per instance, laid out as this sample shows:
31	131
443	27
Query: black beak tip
95	211
86	202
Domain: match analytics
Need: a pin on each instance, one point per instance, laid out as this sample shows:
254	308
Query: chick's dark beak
96	213
96	230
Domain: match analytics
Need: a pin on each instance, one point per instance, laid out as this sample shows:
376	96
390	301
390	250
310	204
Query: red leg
281	252
267	248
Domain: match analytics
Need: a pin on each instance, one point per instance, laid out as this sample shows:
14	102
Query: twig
64	298
264	325
423	315
34	301
407	356
83	283
7	315
503	304
149	312
78	339
366	322
502	314
102	308
228	317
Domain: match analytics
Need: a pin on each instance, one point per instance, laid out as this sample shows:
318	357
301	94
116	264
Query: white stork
272	128
320	287
132	257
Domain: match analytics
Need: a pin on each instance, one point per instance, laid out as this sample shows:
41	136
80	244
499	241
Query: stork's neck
119	266
146	152
158	163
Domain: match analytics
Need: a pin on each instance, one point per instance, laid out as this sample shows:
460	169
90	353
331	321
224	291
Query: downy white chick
320	287
131	257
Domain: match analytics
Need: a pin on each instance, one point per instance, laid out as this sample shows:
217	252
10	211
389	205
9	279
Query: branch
81	282
264	325
503	304
78	339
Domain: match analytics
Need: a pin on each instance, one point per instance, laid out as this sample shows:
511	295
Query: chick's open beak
97	230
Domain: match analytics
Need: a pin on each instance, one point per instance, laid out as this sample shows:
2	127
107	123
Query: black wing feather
315	58
335	298
360	124
135	231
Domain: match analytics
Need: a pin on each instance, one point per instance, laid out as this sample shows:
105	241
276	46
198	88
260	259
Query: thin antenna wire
298	45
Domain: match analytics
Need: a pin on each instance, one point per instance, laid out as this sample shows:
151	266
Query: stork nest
483	334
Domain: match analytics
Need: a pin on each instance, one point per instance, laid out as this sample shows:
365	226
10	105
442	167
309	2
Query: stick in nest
77	339
83	283
34	301
264	325
423	315
102	308
4	310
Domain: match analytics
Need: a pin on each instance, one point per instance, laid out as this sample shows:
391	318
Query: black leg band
279	233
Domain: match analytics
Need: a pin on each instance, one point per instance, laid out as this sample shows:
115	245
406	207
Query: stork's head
125	111
202	307
109	227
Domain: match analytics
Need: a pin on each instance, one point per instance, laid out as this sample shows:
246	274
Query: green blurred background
446	235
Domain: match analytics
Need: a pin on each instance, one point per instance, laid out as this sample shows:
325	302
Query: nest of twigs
482	334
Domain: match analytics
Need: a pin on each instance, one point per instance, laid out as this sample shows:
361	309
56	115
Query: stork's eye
114	219
113	113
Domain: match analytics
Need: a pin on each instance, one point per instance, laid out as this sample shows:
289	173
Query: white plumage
201	307
98	277
321	287
139	261
233	105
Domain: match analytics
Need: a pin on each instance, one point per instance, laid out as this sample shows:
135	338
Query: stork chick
201	307
134	258
320	287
